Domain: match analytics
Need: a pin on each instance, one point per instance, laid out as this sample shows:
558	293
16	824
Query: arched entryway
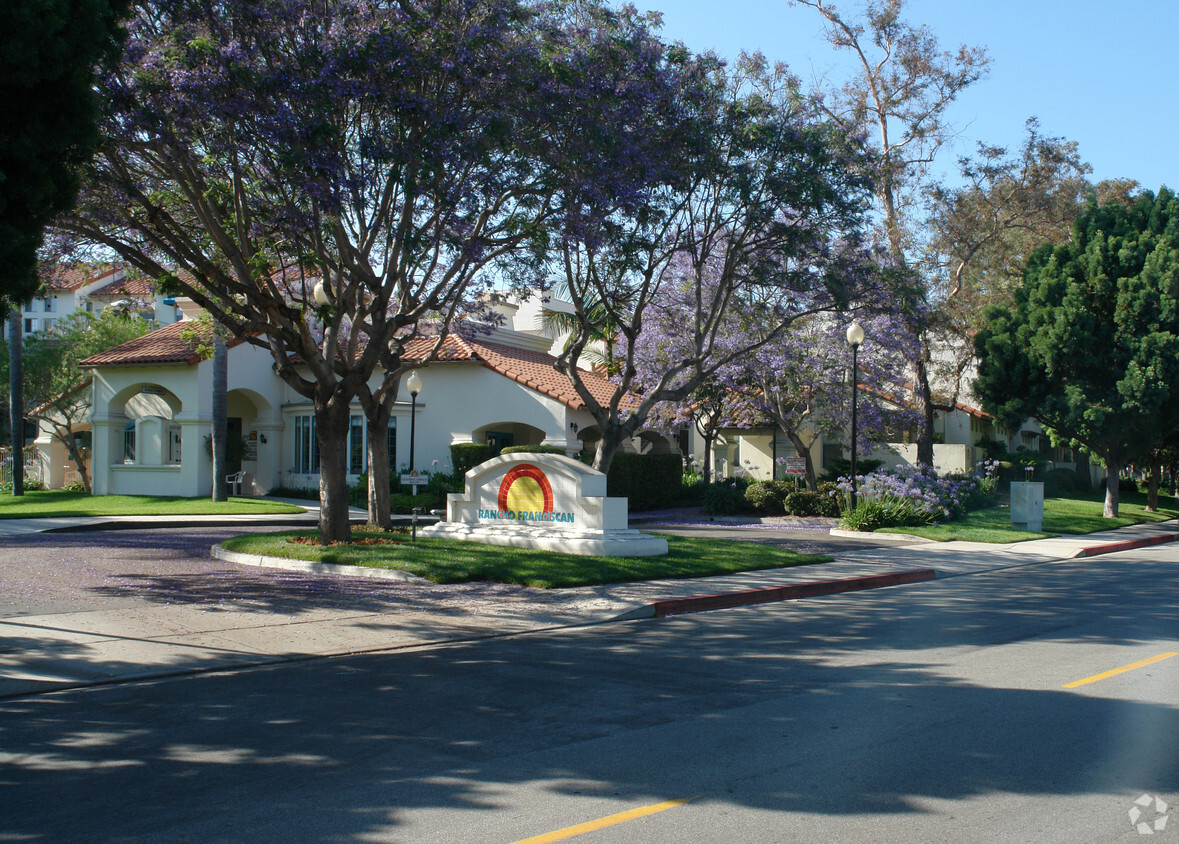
500	435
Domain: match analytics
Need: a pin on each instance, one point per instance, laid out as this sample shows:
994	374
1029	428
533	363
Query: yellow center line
1114	671
602	823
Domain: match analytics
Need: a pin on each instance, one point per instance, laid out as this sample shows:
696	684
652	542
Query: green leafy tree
1090	346
49	52
56	388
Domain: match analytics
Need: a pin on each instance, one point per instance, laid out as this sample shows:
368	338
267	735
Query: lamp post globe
414	384
319	294
855	339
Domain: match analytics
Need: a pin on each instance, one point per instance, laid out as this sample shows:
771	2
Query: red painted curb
678	606
1128	545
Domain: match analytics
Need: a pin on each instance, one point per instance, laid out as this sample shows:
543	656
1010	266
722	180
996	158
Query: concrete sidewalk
69	650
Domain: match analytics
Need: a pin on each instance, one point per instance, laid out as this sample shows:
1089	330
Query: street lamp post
414	383
855	339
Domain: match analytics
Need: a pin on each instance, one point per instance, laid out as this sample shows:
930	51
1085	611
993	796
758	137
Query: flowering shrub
904	494
871	514
988	477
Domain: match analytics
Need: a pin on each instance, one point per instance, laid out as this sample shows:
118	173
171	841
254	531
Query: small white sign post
415	480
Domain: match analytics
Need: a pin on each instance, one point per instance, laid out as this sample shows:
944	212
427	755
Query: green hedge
466	456
533	449
647	480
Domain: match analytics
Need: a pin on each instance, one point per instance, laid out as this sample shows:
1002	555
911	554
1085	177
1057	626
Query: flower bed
905	496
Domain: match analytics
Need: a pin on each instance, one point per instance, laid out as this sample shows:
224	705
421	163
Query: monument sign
543	501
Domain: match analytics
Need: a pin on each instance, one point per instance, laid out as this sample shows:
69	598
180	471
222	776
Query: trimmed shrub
533	449
1058	482
428	499
804	503
307	493
724	498
466	456
765	498
830	498
647	480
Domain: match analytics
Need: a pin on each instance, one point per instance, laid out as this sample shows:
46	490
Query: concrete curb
862	534
317	568
725	600
1127	545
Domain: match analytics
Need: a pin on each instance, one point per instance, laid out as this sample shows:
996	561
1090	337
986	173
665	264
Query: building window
174	444
129	443
51	305
30	326
831	451
356	449
47	325
306	446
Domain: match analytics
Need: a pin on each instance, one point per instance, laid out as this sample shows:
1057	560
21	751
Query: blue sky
1102	74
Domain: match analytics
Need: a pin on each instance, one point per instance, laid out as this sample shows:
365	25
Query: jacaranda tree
388	152
742	219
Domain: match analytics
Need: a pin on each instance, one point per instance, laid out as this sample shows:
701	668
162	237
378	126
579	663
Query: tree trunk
220	414
923	398
332	419
812	480
1113	473
1152	488
377	417
613	436
80	462
709	439
16	400
69	439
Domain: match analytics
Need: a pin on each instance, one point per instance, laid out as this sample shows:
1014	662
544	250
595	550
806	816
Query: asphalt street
931	712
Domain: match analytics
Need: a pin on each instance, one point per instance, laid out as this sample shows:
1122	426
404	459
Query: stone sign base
614	543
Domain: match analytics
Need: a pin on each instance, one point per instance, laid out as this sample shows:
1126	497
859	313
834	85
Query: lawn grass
1061	516
46	504
454	561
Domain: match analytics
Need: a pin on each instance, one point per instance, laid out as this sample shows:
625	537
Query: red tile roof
73	276
165	345
138	288
535	370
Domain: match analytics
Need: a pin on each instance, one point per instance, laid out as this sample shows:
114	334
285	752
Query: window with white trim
356	447
129	443
306	446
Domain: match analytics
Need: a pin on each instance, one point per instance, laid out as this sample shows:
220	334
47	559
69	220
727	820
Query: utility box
1027	505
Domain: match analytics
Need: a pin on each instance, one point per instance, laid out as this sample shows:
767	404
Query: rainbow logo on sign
526	488
525	495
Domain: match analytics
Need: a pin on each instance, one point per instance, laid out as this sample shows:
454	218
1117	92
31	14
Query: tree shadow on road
781	708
